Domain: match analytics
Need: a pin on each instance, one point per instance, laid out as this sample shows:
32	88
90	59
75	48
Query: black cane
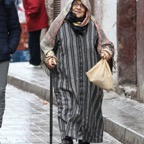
51	108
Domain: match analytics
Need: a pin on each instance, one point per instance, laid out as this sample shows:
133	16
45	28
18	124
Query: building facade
130	34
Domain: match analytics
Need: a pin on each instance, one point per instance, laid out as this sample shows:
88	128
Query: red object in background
36	15
23	44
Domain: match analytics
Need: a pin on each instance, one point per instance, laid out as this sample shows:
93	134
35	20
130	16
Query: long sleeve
45	47
14	28
32	7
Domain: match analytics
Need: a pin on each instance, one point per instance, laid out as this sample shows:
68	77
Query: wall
126	33
140	49
109	25
105	12
109	19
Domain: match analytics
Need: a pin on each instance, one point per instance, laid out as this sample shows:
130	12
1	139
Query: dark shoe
67	140
80	142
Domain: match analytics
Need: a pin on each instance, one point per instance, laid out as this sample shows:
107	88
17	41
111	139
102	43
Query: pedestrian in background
73	44
37	19
9	38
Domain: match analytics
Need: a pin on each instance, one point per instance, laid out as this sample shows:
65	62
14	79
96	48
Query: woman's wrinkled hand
51	62
105	55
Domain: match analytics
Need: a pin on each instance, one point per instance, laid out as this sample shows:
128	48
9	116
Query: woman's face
78	8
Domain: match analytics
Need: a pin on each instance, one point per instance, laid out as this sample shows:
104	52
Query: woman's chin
79	16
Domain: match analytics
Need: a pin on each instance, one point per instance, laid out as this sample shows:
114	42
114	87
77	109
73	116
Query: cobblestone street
26	120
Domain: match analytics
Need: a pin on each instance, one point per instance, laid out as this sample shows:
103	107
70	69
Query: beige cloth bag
101	75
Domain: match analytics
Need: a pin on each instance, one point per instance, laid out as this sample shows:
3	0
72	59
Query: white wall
109	18
109	25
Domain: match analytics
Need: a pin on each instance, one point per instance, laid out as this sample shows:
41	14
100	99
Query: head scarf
47	44
76	23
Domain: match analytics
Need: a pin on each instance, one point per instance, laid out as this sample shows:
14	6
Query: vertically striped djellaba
79	101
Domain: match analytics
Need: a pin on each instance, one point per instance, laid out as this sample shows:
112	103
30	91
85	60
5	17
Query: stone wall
126	35
140	49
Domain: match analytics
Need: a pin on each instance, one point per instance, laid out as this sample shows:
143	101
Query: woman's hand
105	55
51	62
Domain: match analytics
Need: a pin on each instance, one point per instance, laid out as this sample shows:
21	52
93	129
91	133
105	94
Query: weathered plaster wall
140	49
109	19
126	33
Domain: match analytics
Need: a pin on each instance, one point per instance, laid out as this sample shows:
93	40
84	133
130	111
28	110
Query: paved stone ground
123	117
26	120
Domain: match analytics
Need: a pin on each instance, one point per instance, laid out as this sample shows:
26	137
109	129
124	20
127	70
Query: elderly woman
73	44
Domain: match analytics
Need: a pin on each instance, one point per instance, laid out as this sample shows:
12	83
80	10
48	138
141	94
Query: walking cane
51	108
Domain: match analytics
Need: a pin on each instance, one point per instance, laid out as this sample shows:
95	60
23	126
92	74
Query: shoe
67	140
80	142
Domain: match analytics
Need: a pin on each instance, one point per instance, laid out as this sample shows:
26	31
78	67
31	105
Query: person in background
10	31
73	44
37	19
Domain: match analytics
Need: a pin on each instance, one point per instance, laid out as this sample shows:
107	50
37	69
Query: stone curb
42	92
122	133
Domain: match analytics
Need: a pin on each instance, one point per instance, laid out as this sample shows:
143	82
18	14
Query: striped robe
79	101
